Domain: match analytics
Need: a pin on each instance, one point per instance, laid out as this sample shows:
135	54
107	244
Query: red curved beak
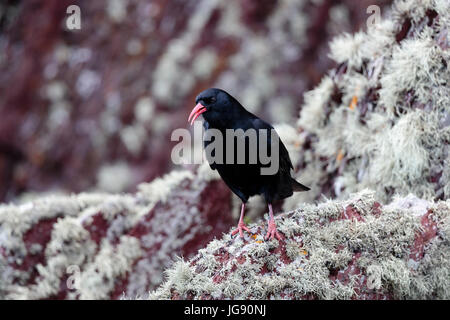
196	112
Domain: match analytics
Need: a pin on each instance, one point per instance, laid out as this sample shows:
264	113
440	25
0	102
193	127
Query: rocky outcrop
381	120
100	246
354	249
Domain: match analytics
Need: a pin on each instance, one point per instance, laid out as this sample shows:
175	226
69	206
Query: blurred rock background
93	109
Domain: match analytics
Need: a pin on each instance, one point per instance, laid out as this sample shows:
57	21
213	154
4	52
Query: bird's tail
297	186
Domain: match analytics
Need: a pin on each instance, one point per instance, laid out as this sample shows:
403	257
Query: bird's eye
210	100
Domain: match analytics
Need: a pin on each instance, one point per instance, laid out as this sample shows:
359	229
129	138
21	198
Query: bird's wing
206	143
285	160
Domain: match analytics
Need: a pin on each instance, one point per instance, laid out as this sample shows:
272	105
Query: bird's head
213	104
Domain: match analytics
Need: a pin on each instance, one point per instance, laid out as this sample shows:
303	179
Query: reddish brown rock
126	240
77	103
368	257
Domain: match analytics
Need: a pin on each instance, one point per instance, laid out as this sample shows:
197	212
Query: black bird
223	112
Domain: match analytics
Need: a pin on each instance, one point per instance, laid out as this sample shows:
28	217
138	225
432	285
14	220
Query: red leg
272	227
241	224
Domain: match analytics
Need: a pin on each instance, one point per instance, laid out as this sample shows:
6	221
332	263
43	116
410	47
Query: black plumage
221	112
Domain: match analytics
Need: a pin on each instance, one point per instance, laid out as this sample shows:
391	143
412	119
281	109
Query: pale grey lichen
379	120
117	10
97	265
328	259
159	188
115	177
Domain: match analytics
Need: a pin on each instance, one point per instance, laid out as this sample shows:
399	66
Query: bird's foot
240	229
272	231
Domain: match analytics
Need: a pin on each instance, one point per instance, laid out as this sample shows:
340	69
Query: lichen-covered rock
352	249
381	119
100	246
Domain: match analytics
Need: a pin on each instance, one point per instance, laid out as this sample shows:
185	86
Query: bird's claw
240	229
272	232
